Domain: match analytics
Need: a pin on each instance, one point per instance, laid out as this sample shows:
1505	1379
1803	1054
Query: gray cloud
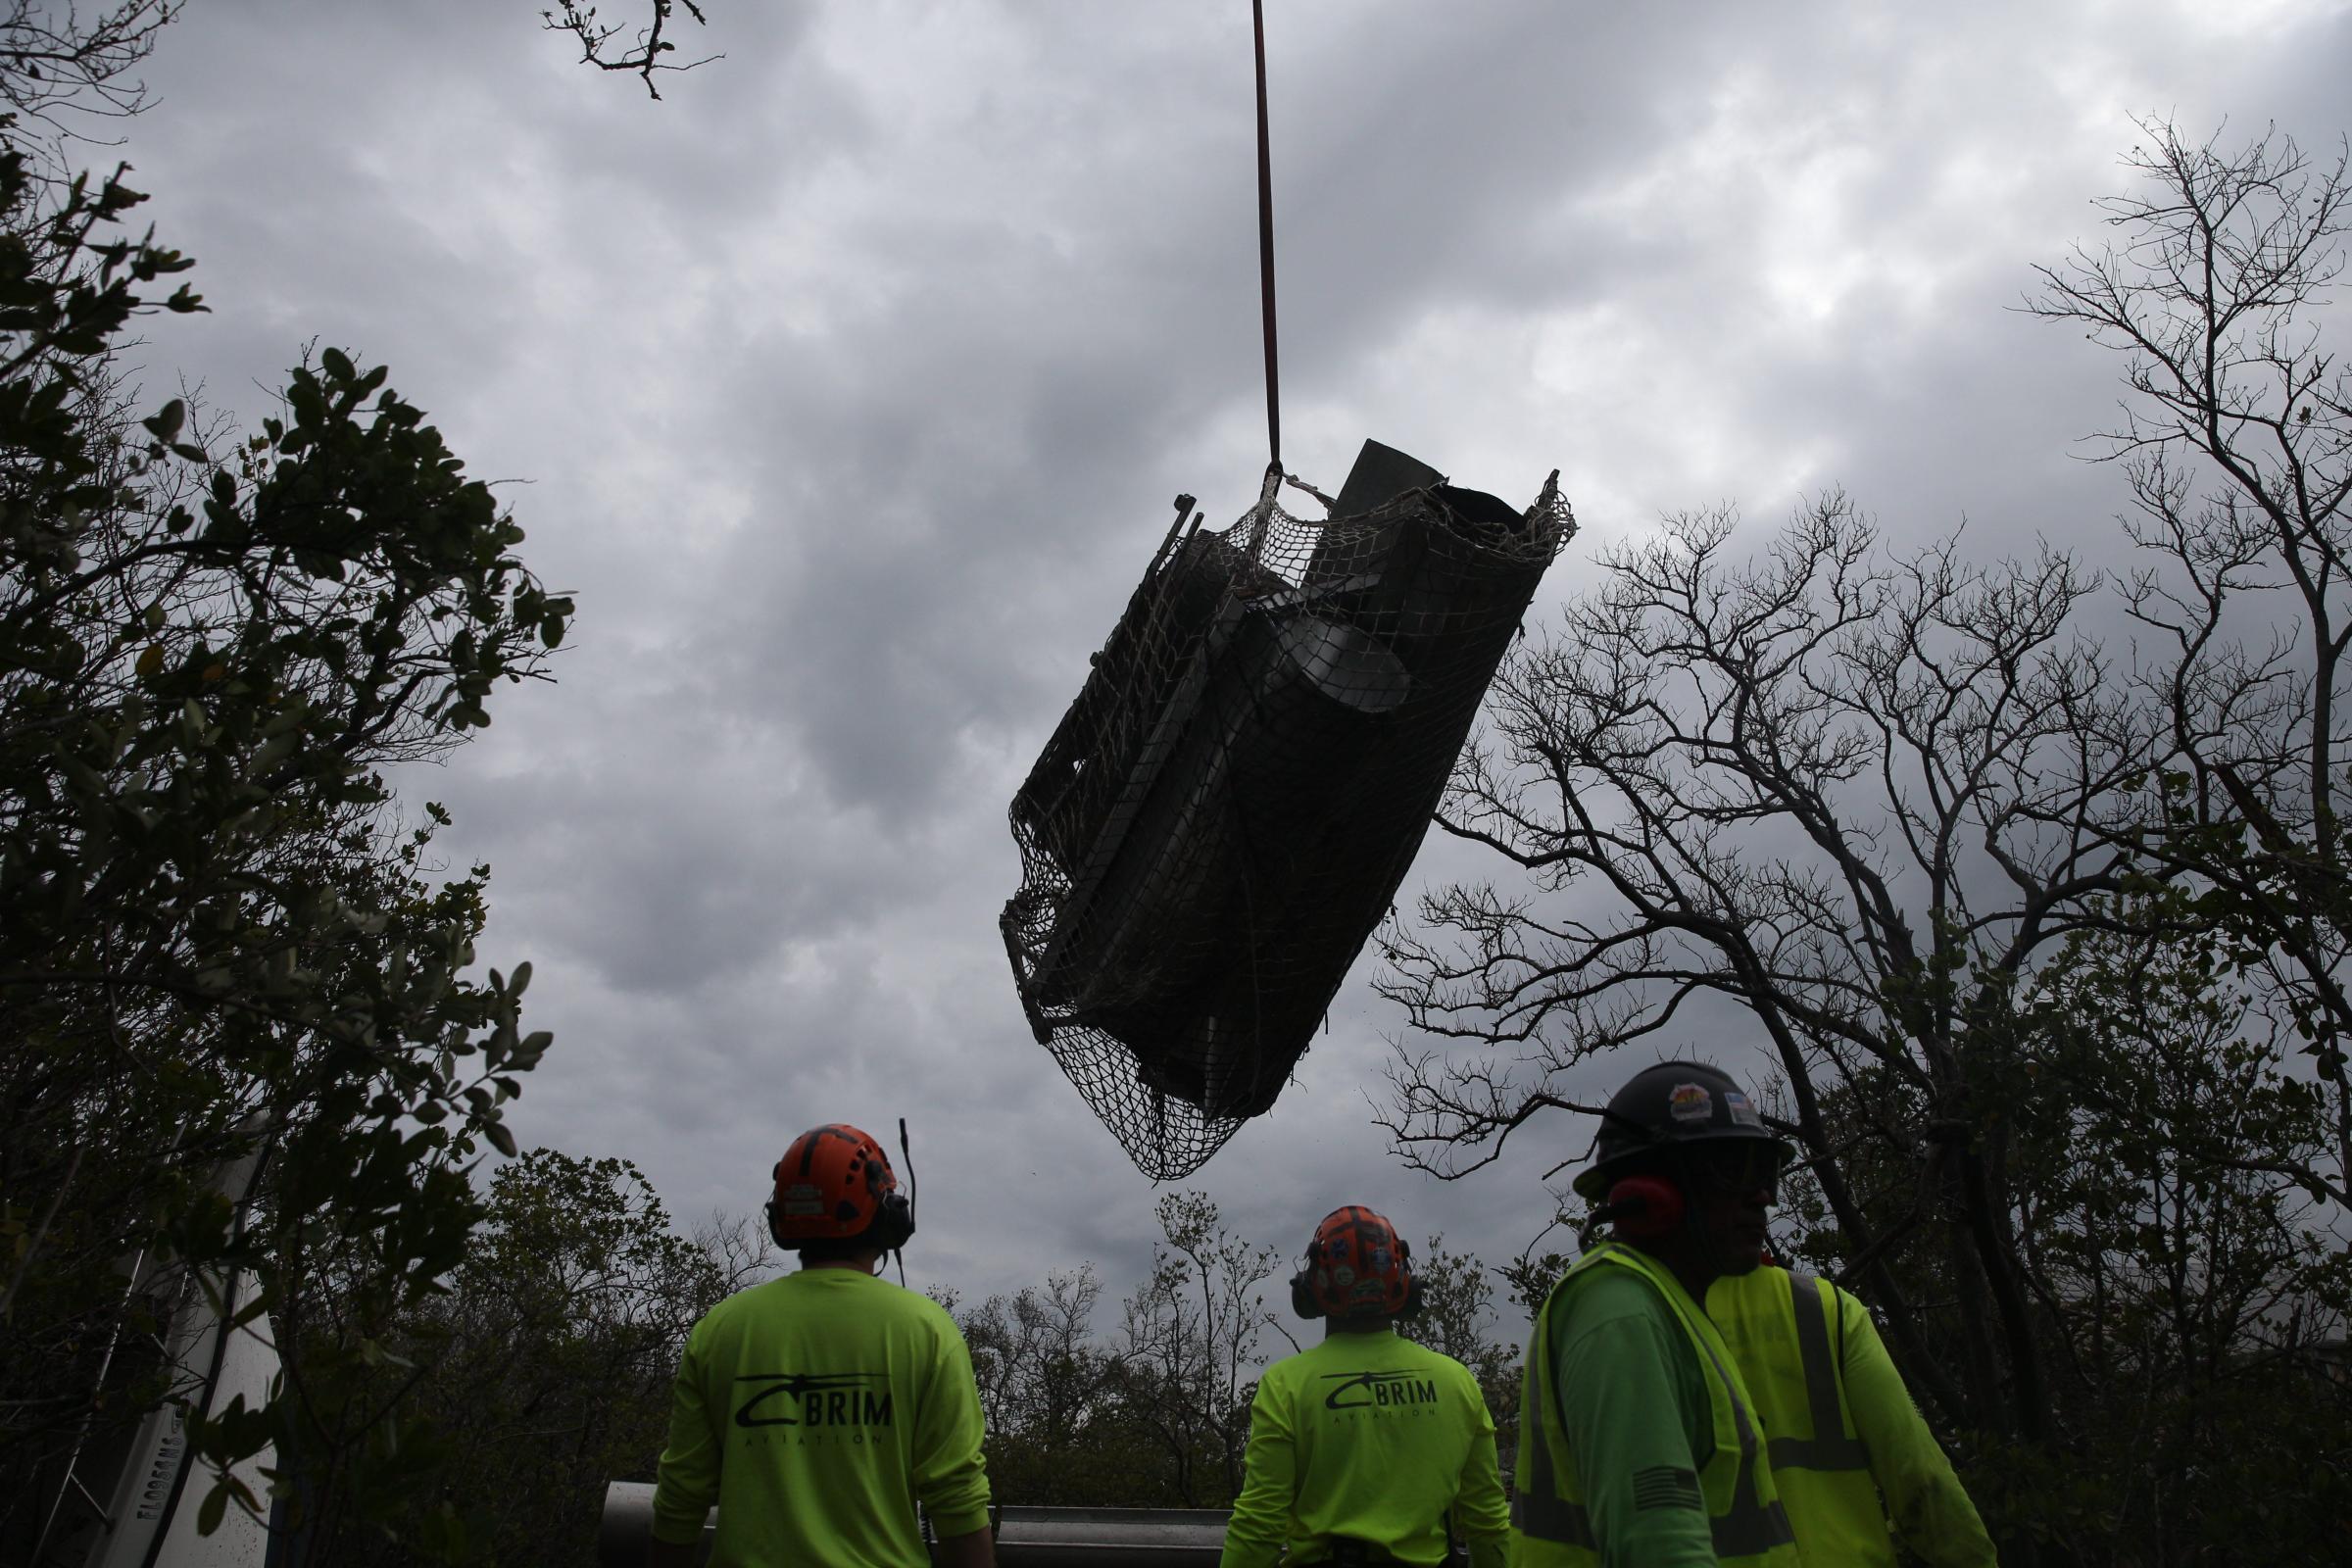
851	383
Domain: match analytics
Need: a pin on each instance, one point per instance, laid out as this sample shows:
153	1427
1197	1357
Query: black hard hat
1670	1104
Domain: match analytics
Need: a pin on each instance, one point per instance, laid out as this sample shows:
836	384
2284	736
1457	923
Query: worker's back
1848	1448
828	1401
1382	1436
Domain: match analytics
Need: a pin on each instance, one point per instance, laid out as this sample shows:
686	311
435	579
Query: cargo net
1227	810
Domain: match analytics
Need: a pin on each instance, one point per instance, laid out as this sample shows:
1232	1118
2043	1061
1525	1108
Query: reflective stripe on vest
1750	1526
1829	1448
1536	1509
1747	1528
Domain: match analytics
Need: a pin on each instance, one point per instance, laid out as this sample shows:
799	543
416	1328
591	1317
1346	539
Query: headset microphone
899	1251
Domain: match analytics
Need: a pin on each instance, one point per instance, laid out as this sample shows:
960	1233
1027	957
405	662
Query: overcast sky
849	386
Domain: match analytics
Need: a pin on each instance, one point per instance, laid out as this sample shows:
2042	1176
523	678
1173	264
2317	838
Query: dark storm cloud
852	381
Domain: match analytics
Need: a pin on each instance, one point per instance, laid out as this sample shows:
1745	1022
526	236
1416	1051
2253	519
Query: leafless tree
1883	810
645	50
2236	449
1844	789
65	66
1191	1343
1040	1378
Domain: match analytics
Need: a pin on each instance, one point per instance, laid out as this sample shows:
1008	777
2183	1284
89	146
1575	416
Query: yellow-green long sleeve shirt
1373	1437
1815	1367
1932	1511
816	1411
1633	1400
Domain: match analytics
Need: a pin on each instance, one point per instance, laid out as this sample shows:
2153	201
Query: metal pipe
1026	1538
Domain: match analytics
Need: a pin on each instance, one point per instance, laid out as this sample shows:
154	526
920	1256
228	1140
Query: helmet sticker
1744	1114
1357	1263
1691	1103
801	1197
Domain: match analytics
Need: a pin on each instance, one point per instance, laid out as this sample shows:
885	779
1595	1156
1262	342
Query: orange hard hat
1356	1266
835	1184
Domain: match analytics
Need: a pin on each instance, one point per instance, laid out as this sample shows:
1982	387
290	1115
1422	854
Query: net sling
1225	812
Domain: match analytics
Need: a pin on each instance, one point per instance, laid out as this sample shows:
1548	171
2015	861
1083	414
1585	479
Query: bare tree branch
645	52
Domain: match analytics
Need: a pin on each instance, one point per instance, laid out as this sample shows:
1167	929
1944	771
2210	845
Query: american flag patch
1663	1486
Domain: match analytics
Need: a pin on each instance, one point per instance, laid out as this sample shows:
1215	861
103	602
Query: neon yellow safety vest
1784	1331
1550	1526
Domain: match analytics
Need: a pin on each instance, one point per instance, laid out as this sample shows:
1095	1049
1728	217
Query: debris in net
1227	810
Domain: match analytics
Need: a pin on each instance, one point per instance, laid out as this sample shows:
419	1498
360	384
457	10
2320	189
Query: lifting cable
1265	252
1276	476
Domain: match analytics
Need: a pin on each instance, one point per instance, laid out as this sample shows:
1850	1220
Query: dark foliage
215	935
546	1362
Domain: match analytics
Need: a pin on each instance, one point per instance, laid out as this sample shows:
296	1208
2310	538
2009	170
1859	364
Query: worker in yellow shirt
818	1409
1367	1448
1639	1438
1848	1448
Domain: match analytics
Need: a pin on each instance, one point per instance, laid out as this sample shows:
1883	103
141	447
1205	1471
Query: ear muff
1412	1279
894	1226
1645	1208
891	1229
1302	1294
